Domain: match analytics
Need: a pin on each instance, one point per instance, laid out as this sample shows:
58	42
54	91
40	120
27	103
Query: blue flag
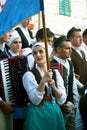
15	11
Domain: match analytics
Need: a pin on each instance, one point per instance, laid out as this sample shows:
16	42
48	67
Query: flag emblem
2	3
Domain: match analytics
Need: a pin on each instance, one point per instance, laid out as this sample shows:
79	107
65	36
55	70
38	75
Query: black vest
38	77
68	81
25	42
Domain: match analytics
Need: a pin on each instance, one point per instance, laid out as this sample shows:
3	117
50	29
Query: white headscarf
39	44
43	45
14	35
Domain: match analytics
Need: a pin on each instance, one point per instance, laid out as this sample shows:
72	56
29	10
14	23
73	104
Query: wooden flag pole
45	40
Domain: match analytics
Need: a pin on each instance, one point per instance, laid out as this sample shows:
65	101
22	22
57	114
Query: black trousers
18	124
83	110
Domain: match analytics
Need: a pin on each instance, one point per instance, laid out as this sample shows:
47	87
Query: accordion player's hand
6	107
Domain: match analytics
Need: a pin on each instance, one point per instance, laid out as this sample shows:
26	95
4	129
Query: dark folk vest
24	40
68	80
38	77
4	54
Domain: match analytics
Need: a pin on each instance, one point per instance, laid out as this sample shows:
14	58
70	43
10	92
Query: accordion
11	86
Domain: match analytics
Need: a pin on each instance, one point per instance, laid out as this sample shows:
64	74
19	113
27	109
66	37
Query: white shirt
84	49
78	49
65	63
50	49
12	53
30	59
30	85
2	47
0	98
26	34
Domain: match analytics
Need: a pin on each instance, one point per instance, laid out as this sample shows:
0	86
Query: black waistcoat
38	77
25	42
68	81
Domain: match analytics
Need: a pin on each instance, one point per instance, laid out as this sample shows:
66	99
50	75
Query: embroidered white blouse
30	85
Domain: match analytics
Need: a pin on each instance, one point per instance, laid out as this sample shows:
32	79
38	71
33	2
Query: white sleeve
75	92
0	98
60	86
79	84
30	60
30	85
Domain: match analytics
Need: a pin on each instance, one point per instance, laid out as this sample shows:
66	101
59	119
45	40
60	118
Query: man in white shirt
25	34
50	38
84	43
63	50
78	56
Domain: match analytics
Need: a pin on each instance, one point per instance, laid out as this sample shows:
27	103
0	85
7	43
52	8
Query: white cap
14	35
43	45
39	44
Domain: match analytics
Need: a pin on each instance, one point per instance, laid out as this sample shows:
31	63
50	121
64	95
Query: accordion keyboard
6	79
11	86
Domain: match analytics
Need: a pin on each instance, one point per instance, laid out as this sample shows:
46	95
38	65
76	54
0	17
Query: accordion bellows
11	86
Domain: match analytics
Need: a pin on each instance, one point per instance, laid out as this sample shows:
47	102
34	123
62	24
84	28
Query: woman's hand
51	83
48	76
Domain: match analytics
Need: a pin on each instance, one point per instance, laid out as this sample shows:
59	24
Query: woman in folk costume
45	94
15	45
